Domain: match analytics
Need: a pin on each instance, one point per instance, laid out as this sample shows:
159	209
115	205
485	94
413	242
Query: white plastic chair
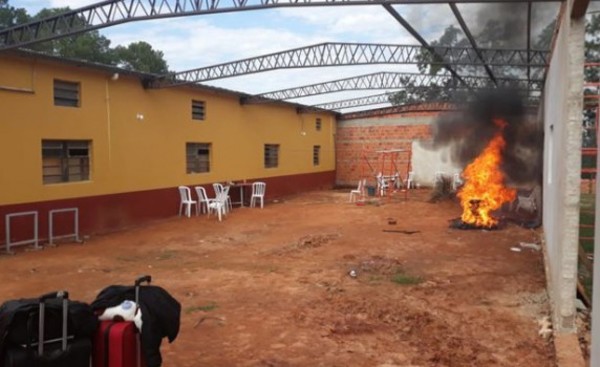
360	190
185	195
203	199
258	192
220	188
219	204
410	180
382	184
456	181
527	202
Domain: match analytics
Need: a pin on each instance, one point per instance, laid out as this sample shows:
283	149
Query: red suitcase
117	343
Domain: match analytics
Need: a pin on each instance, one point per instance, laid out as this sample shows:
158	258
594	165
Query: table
241	186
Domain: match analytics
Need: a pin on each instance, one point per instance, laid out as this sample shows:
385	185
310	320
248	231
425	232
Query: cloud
73	4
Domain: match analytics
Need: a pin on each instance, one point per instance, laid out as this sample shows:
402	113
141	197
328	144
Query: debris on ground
400	231
545	327
529	245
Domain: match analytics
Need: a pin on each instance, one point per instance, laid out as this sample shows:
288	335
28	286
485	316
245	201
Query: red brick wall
359	138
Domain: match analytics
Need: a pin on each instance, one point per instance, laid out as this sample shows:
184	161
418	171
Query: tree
90	45
11	16
494	34
142	57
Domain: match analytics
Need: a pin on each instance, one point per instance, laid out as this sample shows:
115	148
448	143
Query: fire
484	190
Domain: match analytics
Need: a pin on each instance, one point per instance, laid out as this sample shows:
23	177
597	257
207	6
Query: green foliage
400	277
141	56
11	16
89	45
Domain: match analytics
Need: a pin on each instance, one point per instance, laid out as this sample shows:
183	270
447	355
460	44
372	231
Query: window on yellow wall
65	161
198	110
271	155
316	155
197	157
66	94
318	124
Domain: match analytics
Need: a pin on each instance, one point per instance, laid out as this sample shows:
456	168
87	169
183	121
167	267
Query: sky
203	40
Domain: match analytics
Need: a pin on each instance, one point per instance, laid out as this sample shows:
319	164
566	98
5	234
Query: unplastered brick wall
358	140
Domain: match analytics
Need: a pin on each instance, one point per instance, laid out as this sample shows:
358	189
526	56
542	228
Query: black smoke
468	131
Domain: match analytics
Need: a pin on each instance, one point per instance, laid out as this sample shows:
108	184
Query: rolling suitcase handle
64	295
138	282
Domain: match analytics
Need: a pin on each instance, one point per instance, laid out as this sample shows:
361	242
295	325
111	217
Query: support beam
357	102
433	106
528	38
421	40
337	54
471	39
579	8
112	12
392	80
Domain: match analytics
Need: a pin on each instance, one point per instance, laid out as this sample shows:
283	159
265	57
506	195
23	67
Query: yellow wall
129	154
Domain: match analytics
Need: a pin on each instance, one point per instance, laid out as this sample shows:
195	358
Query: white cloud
73	4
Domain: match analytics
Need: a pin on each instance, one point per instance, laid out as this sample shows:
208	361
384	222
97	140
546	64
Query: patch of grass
208	307
401	278
587	245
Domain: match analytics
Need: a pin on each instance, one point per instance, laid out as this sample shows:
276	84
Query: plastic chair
527	202
360	190
185	195
203	199
220	188
219	204
410	180
258	192
456	181
382	184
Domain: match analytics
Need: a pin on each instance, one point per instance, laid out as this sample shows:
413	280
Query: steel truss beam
413	107
471	39
356	102
336	54
392	80
112	12
433	106
436	56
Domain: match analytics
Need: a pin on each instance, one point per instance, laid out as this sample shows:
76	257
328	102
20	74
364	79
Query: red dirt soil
272	287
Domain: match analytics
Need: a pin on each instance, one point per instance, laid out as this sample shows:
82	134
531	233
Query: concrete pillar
563	99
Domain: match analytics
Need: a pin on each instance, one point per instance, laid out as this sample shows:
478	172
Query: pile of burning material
484	191
497	143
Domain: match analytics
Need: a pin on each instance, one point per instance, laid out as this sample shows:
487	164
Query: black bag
46	332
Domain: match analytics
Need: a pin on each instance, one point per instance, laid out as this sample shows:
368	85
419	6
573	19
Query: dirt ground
272	287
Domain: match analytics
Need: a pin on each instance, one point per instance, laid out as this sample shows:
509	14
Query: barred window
316	155
65	161
66	93
198	110
271	155
197	157
318	124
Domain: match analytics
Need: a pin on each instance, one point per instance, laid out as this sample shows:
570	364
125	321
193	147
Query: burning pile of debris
500	149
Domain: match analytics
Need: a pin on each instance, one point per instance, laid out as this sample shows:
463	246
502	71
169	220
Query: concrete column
563	99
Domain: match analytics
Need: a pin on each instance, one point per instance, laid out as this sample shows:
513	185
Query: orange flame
484	190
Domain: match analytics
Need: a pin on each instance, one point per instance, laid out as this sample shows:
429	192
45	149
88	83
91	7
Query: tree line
90	45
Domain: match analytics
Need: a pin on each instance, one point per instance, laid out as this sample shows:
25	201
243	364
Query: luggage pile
123	327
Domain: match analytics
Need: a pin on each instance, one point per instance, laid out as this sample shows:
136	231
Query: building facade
77	134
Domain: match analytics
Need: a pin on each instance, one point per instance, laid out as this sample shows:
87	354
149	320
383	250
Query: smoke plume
468	131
